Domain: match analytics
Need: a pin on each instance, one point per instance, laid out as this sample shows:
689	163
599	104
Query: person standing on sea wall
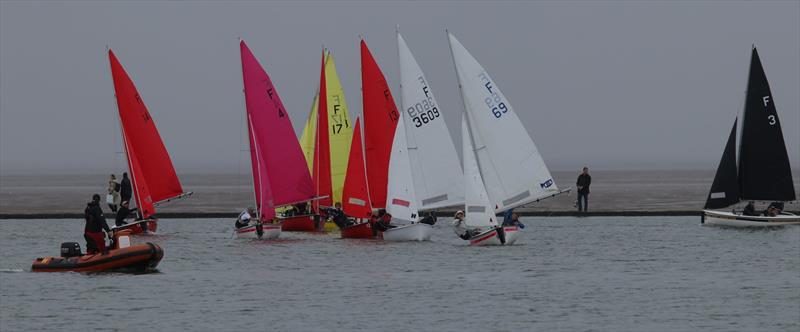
583	183
125	190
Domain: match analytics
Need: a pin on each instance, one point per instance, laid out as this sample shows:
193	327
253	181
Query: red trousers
95	242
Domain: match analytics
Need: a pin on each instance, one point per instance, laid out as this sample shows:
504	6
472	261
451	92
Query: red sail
322	148
355	196
380	120
154	173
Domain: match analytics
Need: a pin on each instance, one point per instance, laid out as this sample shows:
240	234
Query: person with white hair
460	227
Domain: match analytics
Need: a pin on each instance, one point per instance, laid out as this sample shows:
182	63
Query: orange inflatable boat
123	257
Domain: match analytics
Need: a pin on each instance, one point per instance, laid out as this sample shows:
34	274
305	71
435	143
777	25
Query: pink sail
280	171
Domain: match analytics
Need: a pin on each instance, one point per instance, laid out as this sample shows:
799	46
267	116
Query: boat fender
71	249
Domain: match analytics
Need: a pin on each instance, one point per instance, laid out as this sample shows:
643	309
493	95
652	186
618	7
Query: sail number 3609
425	111
493	101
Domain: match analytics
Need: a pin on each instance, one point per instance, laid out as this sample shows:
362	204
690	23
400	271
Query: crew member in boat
430	219
460	227
383	222
749	209
244	218
95	225
774	209
123	213
336	214
512	219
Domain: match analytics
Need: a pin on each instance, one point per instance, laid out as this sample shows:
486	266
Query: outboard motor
71	249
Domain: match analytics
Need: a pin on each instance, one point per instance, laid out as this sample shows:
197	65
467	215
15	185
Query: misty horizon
611	85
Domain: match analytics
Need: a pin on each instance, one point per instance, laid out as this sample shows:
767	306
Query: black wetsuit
125	190
122	214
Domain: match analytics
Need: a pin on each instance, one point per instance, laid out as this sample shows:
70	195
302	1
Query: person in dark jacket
749	209
337	215
125	189
584	181
430	219
95	225
123	213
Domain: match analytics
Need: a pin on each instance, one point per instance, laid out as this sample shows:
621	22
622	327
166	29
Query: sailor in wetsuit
95	225
337	215
244	218
124	212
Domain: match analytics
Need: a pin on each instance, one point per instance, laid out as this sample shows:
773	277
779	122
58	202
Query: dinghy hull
358	231
304	223
266	232
138	258
150	227
492	238
730	219
411	232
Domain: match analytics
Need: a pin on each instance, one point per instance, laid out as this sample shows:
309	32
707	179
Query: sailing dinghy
424	170
280	172
757	168
152	175
502	166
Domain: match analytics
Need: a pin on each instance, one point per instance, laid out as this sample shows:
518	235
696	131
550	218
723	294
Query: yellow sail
309	134
341	130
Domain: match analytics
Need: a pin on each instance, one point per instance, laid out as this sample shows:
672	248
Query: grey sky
617	85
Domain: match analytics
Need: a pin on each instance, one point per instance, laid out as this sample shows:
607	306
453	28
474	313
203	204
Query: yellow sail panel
309	134
341	130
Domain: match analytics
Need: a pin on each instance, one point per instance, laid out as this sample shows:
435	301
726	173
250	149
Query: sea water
566	274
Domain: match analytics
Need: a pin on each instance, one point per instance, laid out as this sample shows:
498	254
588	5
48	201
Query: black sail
725	189
764	171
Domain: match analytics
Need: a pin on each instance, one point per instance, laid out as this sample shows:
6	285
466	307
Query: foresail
310	134
401	200
143	143
339	128
725	189
510	163
380	120
436	169
764	170
479	211
355	195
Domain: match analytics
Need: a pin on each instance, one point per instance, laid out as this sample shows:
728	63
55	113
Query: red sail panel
322	148
380	120
144	201
278	149
144	145
355	195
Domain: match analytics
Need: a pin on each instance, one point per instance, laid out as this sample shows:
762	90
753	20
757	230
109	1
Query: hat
459	211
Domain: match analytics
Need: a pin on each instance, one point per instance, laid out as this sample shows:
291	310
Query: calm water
569	274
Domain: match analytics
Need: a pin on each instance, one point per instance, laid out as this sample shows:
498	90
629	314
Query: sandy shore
613	192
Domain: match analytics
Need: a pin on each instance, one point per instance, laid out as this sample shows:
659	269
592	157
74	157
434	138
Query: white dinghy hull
730	219
491	238
411	232
269	232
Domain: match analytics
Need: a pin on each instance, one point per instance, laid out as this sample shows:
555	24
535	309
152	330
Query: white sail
435	168
511	166
479	211
401	200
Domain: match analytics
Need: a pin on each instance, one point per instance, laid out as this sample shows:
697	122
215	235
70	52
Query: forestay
435	168
511	166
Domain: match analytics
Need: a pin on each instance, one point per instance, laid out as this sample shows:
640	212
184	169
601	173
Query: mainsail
355	195
764	170
435	167
512	168
279	167
339	128
153	176
380	120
